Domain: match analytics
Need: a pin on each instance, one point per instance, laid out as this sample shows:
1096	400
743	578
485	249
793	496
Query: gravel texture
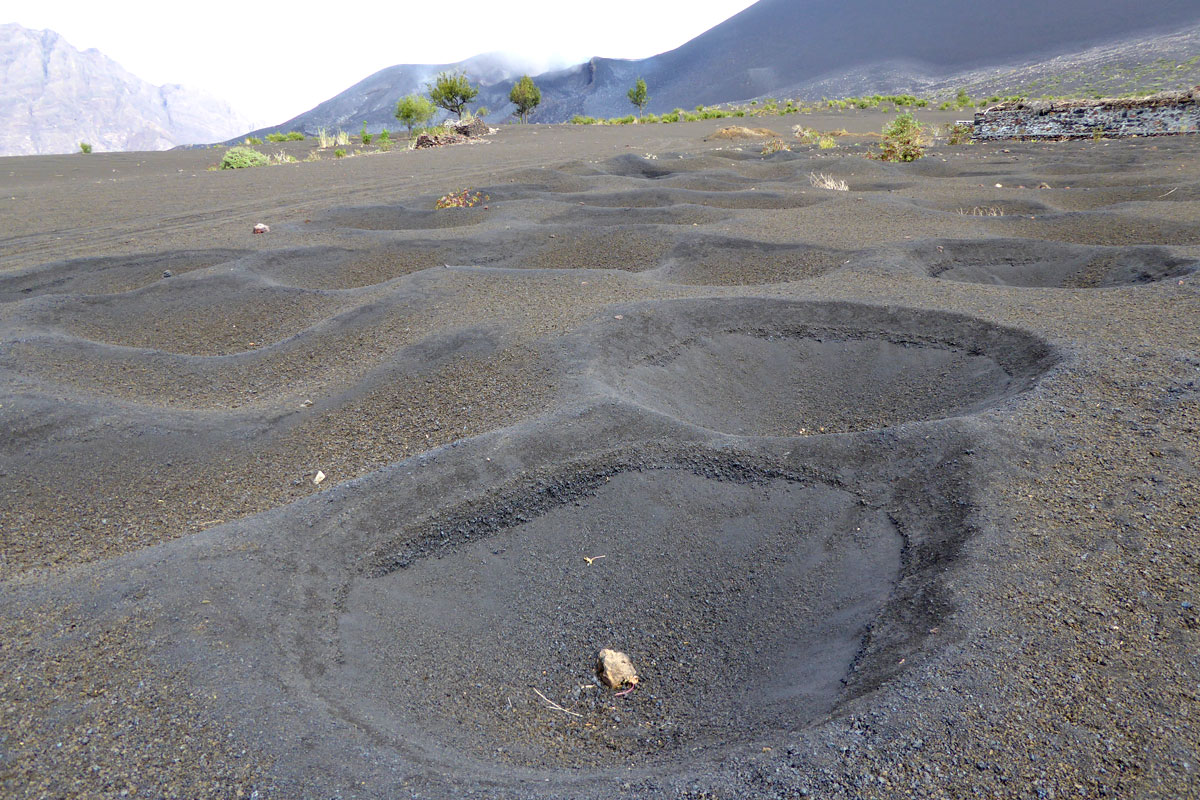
889	492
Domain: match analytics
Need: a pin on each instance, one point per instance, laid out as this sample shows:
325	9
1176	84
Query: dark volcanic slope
782	45
888	492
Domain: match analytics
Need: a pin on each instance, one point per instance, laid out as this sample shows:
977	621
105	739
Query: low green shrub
901	140
253	140
295	136
240	157
275	138
85	148
366	137
339	153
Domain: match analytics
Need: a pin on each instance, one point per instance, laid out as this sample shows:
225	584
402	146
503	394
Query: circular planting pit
726	261
108	275
399	218
669	215
742	597
1032	263
209	316
665	197
776	368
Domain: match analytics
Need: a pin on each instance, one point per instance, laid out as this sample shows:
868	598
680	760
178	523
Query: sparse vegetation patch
461	199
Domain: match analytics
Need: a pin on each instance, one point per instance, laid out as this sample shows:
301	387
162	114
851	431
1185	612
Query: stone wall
1171	112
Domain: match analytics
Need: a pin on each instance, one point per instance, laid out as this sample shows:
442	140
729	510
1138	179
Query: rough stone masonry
1157	115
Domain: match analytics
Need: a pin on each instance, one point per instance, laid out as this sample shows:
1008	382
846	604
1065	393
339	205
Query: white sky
276	60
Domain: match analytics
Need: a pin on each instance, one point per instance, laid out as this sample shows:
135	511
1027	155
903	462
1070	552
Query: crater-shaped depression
743	600
762	367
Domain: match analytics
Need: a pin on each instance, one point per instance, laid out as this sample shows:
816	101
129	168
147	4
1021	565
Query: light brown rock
615	670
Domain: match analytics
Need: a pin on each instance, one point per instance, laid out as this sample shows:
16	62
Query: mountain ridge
757	52
55	96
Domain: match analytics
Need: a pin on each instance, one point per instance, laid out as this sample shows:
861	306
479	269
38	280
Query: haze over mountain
53	96
793	46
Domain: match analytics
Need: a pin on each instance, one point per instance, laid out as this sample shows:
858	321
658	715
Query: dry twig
556	706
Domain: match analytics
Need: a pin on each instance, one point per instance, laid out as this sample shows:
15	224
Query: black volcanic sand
889	492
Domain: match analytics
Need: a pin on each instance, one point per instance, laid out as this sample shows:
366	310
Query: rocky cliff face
53	96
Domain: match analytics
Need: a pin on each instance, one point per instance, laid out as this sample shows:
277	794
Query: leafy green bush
253	140
339	153
275	138
413	110
901	139
579	119
366	137
241	157
452	91
384	136
295	136
85	148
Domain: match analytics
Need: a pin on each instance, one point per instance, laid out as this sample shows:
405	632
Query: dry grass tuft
982	211
822	181
742	132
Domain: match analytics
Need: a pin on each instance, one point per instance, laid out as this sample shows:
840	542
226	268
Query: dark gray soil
882	499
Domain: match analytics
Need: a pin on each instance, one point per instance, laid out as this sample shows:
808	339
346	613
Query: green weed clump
339	153
773	146
901	140
241	157
957	133
85	148
253	140
292	136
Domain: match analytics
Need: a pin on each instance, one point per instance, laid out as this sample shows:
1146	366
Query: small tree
526	96
452	92
412	110
638	96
